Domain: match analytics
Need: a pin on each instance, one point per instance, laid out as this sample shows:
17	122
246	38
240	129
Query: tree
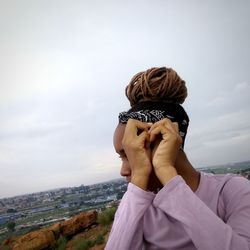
11	226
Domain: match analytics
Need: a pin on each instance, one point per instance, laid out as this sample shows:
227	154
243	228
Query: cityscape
33	211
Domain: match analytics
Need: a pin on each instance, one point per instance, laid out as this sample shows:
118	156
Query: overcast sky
64	66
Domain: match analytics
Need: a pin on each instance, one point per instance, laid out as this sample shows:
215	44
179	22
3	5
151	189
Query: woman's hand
136	145
167	142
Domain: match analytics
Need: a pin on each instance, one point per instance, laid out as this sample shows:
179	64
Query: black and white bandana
143	116
155	111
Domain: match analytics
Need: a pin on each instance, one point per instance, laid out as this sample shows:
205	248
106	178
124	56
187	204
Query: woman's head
156	94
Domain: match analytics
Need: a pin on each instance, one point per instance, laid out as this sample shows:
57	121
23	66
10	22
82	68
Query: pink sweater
215	217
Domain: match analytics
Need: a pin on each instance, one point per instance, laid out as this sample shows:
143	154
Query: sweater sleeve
204	227
127	229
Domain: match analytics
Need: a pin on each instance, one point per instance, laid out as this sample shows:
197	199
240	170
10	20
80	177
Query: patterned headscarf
156	111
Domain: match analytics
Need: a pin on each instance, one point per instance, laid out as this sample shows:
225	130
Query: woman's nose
125	169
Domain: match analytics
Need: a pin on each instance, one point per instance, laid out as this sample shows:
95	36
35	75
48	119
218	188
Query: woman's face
125	170
117	140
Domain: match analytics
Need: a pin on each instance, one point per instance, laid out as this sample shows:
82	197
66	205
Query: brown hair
156	84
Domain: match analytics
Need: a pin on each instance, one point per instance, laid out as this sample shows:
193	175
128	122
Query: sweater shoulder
215	187
228	184
235	188
212	182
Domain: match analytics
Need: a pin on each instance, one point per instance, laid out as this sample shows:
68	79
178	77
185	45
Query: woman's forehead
118	136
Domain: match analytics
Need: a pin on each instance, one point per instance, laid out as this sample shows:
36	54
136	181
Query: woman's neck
187	171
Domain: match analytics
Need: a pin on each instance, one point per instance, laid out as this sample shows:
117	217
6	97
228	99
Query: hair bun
156	84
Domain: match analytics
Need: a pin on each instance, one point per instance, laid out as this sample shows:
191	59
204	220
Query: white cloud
238	96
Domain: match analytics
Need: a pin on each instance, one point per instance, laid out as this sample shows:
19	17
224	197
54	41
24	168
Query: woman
168	204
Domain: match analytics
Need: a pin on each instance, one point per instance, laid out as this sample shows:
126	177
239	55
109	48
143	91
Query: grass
99	239
105	218
61	244
82	244
85	244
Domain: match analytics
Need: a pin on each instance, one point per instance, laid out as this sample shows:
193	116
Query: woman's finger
164	122
160	130
176	127
133	126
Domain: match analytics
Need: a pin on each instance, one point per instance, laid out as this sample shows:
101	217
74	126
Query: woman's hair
156	84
